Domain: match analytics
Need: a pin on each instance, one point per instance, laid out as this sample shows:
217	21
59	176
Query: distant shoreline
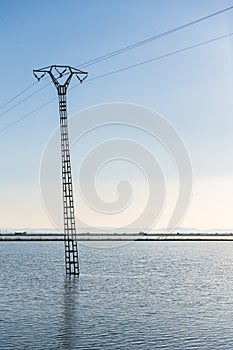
23	236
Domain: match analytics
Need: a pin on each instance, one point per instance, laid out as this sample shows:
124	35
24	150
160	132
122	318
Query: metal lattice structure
61	77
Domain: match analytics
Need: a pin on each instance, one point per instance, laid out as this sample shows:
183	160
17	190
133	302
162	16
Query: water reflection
68	311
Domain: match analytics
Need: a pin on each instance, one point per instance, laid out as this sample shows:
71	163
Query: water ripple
160	295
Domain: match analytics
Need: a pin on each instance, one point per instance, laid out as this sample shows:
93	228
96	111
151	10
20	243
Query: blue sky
192	90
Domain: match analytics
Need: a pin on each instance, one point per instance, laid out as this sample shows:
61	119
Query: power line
27	115
159	57
121	70
25	99
120	51
19	94
152	38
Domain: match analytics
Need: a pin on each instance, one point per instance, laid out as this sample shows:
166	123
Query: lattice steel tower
61	77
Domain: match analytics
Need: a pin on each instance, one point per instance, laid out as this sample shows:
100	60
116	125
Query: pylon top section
60	75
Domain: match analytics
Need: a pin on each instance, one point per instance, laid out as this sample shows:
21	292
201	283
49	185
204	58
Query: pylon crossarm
38	77
40	73
81	80
57	72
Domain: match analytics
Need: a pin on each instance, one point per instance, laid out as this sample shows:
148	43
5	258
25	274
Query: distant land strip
39	237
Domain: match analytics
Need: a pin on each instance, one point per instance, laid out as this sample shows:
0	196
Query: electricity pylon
61	77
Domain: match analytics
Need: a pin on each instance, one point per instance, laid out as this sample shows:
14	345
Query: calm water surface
153	295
